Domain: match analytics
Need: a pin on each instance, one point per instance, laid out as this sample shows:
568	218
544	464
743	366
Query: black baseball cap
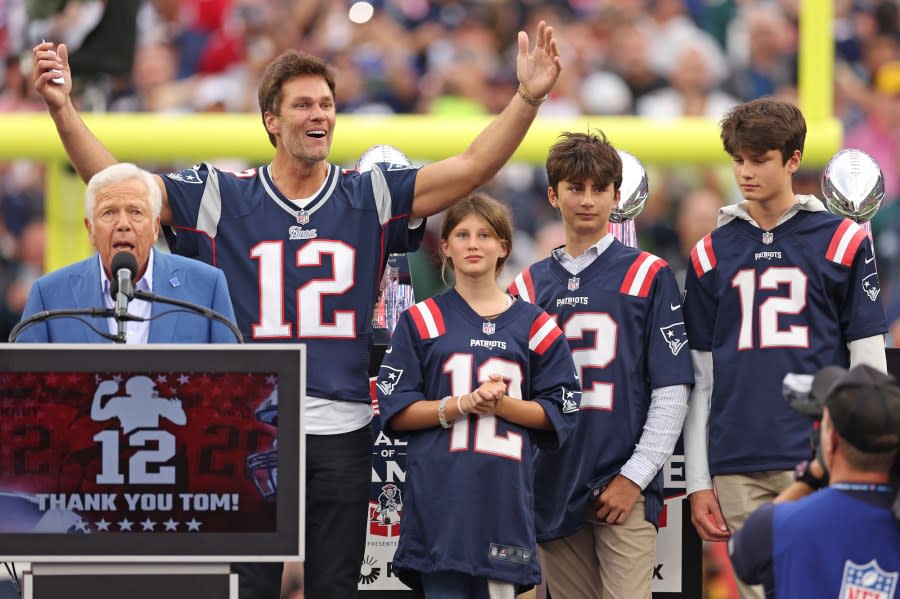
864	405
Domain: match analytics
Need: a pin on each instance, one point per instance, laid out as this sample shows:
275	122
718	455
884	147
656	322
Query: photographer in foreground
843	541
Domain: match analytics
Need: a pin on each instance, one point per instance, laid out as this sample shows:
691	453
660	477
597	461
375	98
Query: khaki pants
602	561
739	495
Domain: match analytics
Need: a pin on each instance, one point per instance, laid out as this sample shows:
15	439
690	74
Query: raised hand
537	70
48	63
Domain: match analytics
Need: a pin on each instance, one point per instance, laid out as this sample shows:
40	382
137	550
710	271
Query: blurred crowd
659	59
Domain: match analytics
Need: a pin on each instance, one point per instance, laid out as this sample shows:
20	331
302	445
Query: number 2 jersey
622	317
302	274
767	304
469	492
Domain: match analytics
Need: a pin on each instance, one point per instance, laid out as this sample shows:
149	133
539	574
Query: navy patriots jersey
302	274
769	303
622	317
834	543
468	497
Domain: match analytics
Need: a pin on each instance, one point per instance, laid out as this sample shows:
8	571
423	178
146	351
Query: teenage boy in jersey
620	308
303	244
843	541
780	286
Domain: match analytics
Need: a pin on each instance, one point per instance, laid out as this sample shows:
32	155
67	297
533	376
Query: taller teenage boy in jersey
621	311
780	286
302	245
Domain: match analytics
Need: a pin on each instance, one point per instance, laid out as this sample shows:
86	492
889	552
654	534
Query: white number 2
600	355
459	367
310	317
770	309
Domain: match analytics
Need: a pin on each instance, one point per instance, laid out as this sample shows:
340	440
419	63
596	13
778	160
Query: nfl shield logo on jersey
867	581
574	283
303	217
768	237
488	328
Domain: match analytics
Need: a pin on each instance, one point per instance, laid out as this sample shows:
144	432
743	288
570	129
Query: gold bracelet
533	101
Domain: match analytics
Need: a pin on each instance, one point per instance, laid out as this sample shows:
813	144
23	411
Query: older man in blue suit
122	209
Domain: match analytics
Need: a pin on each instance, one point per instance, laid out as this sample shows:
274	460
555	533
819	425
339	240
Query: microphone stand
45	315
202	310
111	313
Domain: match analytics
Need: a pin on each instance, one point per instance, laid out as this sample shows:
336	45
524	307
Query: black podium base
135	581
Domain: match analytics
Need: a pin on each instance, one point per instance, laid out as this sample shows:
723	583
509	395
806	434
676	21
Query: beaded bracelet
442	418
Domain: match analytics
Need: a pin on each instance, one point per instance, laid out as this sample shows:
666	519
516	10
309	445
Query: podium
144	471
138	581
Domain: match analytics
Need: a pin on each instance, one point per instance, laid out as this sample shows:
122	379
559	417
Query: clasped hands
486	399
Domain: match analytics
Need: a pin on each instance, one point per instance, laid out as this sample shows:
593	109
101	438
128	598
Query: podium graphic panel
146	453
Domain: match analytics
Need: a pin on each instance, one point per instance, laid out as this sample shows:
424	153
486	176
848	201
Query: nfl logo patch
768	237
867	580
488	328
574	283
303	217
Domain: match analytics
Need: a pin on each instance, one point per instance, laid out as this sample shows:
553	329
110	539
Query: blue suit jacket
78	286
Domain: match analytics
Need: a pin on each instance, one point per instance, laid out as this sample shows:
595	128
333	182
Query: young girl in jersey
477	380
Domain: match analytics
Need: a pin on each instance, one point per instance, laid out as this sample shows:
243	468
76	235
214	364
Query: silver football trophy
381	153
853	185
632	198
395	294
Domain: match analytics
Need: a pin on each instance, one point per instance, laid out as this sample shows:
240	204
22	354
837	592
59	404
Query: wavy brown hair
576	157
762	125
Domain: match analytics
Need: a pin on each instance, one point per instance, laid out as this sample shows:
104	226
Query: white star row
182	379
161	378
147	525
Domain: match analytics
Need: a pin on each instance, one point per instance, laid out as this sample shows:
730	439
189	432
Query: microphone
121	287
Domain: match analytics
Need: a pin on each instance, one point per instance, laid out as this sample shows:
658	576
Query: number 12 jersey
469	492
302	273
767	303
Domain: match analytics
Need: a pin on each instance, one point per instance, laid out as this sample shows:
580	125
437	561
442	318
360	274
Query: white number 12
770	309
459	367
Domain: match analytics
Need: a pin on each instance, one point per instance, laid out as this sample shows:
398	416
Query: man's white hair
123	171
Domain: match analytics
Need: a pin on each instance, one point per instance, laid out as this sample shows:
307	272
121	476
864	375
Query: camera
797	391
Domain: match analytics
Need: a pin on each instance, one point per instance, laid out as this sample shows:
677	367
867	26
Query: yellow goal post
189	138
